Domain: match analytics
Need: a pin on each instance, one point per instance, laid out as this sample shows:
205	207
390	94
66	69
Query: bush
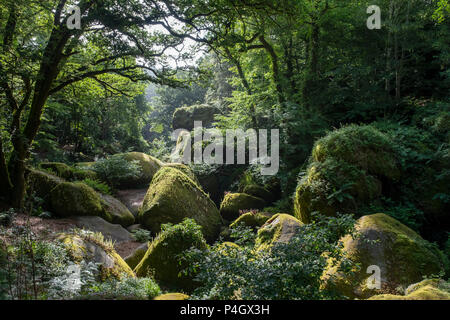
125	289
97	185
141	235
290	270
115	169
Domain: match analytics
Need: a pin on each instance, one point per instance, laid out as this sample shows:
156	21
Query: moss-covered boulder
259	192
349	168
91	247
67	172
136	256
149	166
232	203
401	254
42	183
185	169
111	232
173	196
432	289
184	117
172	296
77	199
251	219
163	259
281	228
118	212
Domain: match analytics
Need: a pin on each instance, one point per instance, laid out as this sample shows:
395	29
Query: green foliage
141	235
127	288
97	185
288	271
115	169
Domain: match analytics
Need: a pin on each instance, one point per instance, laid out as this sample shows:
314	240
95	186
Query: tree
40	56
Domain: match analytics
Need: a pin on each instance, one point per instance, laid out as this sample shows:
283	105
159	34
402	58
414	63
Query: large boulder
132	199
401	254
113	232
432	289
281	228
117	210
163	256
149	166
67	172
77	199
91	247
259	192
251	219
232	203
349	168
184	117
42	183
173	196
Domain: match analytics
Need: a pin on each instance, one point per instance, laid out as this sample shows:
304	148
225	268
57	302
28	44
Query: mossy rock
232	203
118	212
173	196
363	146
334	186
67	172
149	166
281	228
172	296
162	258
92	248
259	192
185	169
401	254
77	199
250	219
42	183
136	257
184	117
432	289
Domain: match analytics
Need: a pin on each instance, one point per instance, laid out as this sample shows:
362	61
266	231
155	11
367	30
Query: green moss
67	172
426	290
135	258
278	229
250	219
233	202
173	196
148	164
77	199
172	296
185	169
334	186
163	256
42	183
363	146
259	192
402	255
92	248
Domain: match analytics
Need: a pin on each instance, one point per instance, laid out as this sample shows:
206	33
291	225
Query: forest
224	150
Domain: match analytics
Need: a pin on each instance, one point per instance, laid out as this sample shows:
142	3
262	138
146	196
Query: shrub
288	271
141	235
115	169
97	185
125	289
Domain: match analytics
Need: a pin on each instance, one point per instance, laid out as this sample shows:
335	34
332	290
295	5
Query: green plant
141	235
290	270
97	185
115	169
126	288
